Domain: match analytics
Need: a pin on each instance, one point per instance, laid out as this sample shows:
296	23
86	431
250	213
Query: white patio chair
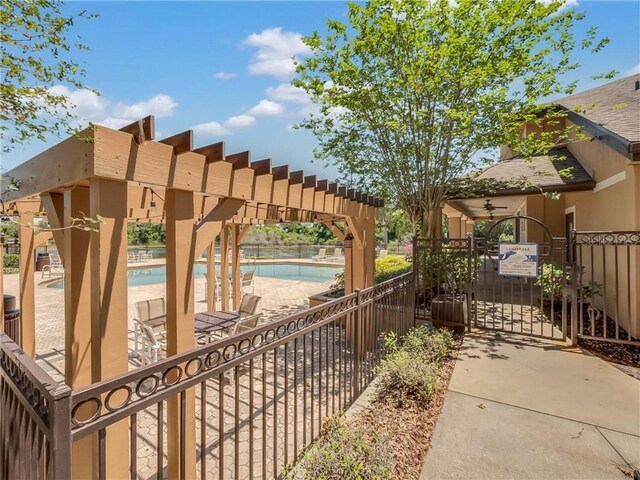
383	253
152	344
337	256
146	257
54	267
246	283
322	255
133	257
153	315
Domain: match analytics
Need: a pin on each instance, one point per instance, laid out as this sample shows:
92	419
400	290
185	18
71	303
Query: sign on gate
518	259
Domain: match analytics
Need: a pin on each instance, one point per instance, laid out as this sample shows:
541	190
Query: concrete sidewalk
528	408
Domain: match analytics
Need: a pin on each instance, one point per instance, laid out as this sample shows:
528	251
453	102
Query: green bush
386	268
10	262
344	453
553	276
390	266
411	368
442	268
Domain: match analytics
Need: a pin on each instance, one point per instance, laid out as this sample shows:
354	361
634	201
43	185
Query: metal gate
529	306
586	287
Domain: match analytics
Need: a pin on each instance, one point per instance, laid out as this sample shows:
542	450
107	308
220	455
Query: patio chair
146	257
153	315
248	305
322	255
246	283
54	267
337	256
152	344
133	257
383	253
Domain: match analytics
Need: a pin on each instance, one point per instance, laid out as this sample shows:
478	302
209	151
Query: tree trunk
432	223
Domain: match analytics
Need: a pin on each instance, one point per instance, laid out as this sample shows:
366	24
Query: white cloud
266	107
285	92
565	5
225	75
275	51
240	121
85	104
211	129
633	71
159	105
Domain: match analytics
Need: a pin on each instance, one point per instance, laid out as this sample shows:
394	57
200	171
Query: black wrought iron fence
242	407
35	438
606	284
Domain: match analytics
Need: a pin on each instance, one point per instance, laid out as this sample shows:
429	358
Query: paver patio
521	407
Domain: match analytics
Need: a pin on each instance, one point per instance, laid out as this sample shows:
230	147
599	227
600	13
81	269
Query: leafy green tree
36	54
412	94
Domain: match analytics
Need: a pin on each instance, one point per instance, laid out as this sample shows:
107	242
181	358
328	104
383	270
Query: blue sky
223	69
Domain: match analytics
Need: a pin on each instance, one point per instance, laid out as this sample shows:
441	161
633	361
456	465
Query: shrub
447	269
390	266
386	268
553	276
343	452
412	367
10	262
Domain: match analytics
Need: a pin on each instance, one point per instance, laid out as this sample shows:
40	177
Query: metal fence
443	269
35	439
606	284
242	407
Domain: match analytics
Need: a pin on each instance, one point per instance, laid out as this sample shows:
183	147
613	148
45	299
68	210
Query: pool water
286	271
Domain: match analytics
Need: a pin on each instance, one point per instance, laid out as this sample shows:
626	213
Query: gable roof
541	172
559	171
613	108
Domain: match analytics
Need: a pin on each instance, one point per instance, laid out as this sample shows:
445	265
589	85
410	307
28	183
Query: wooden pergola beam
181	142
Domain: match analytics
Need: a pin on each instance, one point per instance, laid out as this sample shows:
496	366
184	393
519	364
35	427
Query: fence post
60	425
470	275
574	289
357	340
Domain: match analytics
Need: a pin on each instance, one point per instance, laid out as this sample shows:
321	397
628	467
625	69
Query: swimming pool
286	271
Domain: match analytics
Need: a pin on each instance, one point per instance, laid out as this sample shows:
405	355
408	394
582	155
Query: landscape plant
386	268
411	366
412	95
342	452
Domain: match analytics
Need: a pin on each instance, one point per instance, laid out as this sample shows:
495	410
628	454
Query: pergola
126	176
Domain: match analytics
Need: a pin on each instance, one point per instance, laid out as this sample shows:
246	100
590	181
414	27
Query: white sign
518	259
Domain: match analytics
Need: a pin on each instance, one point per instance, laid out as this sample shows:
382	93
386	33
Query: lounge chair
322	255
54	267
337	256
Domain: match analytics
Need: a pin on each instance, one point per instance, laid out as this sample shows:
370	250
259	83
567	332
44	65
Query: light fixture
152	204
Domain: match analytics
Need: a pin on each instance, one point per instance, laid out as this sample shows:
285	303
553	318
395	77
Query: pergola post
348	264
455	226
181	246
109	305
235	264
211	276
27	288
224	266
75	248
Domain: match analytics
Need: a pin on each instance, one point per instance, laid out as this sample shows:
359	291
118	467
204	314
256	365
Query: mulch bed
407	422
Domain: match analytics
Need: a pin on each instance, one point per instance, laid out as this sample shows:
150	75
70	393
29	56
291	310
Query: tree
413	93
36	56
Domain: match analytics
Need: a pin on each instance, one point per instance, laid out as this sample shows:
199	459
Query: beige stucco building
601	194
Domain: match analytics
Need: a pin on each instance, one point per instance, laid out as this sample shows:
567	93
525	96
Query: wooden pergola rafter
126	176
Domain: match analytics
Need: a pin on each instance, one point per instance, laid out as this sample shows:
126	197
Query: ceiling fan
489	207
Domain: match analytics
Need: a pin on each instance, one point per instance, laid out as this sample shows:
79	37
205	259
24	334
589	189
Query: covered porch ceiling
473	208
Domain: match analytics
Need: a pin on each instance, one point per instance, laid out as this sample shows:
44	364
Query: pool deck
279	298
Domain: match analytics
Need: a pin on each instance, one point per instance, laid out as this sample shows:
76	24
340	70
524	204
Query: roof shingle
615	106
